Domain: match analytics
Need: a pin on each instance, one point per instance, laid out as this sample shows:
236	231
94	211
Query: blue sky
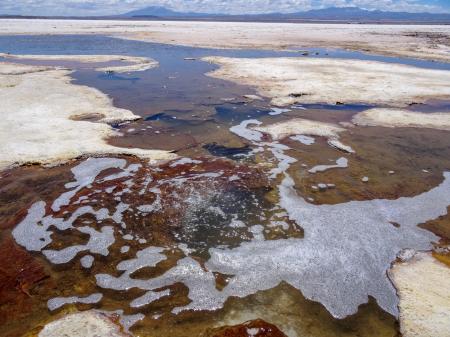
104	7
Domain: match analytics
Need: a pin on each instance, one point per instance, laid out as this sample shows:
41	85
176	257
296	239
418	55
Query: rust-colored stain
19	273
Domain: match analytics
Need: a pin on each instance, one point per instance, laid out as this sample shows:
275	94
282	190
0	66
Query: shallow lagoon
201	204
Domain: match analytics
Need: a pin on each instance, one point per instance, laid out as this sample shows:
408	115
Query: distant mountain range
327	14
332	14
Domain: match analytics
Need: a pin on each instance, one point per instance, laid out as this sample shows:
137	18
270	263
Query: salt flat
417	41
330	236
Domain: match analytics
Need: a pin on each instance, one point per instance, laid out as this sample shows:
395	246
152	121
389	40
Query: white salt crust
396	118
278	111
305	140
58	302
40	114
325	80
340	163
423	285
137	63
83	324
299	126
87	261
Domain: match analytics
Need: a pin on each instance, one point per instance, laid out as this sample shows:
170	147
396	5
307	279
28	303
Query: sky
108	7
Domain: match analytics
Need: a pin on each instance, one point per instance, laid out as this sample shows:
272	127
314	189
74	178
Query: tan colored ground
47	127
427	42
312	80
402	118
423	286
134	63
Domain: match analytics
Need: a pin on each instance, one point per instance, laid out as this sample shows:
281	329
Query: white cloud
104	7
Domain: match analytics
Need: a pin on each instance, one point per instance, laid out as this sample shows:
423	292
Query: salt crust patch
85	174
87	261
324	80
183	161
278	111
340	163
300	126
37	108
296	127
305	140
423	285
58	302
393	118
243	131
138	63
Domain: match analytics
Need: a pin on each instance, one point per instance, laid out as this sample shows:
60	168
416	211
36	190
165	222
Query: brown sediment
406	152
30	184
284	307
440	227
22	186
443	257
166	139
20	273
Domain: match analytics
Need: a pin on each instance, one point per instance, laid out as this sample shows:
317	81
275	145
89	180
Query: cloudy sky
104	7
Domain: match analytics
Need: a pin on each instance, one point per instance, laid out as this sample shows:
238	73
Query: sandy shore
416	41
47	126
309	80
